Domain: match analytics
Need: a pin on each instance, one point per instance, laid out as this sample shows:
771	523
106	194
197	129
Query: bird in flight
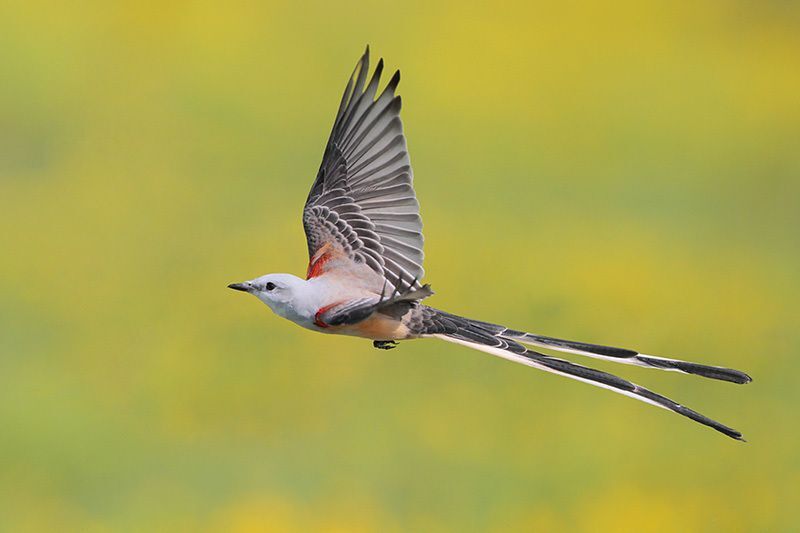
364	234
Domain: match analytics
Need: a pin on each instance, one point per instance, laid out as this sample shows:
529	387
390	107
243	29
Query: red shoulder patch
317	316
317	263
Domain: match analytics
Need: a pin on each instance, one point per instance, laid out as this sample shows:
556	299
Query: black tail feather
505	343
624	355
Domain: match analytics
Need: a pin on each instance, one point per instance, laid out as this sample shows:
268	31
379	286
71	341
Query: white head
279	291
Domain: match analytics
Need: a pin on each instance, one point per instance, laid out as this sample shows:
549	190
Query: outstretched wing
362	202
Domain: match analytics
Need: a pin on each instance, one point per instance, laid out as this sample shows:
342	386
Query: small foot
384	345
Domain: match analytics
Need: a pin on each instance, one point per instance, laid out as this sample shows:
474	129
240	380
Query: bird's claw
384	345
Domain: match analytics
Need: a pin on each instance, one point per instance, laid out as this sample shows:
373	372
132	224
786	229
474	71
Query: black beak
240	287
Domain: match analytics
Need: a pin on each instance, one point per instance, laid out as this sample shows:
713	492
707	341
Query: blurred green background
626	175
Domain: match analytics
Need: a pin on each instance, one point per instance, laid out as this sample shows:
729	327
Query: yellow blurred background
623	174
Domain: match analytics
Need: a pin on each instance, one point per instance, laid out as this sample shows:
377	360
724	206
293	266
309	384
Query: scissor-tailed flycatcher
364	235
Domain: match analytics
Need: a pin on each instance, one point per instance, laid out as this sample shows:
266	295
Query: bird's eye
269	286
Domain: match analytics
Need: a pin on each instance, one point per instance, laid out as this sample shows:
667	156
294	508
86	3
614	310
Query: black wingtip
393	82
363	60
376	76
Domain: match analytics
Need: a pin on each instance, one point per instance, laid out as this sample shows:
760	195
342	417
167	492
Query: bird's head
278	291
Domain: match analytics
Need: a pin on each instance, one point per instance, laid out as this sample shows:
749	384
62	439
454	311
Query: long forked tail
506	343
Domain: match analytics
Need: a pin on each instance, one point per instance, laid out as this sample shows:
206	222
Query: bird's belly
377	327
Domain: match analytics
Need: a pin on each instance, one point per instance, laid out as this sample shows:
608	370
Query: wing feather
363	200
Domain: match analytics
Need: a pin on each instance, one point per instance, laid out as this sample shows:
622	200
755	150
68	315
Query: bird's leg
384	345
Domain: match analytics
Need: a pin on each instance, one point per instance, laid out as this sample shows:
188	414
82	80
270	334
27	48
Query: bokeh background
623	174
